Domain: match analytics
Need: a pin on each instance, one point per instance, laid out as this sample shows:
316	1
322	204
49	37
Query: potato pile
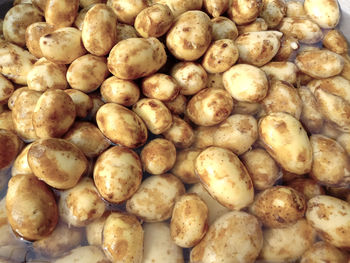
172	131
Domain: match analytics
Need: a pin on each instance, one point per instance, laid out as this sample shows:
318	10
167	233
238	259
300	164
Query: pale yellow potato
117	174
47	75
204	136
31	207
84	254
189	221
244	11
61	13
237	133
6	121
273	11
179	7
156	197
215	81
234	237
121	125
79	20
125	31
223	28
82	102
40	5
276	131
13	98
335	85
156	116
289	46
136	57
86	3
57	162
335	41
344	140
158	156
154	21
246	83
97	103
248	108
190	76
216	7
6	89
308	187
10	147
160	86
54	114
295	8
180	133
94	230
33	34
261	167
287	244
346	71
184	165
323	252
190	35
127	11
177	106
330	130
326	13
21	165
258	48
99	30
281	70
258	25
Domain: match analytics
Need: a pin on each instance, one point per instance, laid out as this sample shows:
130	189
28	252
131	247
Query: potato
258	48
31	207
223	28
258	25
179	7
178	105
273	12
127	11
220	56
288	48
84	254
204	136
244	11
94	230
335	41
237	133
47	75
209	107
57	162
158	156
325	13
346	71
158	246
136	57
63	238
33	34
20	165
246	83
97	103
82	102
40	5
180	133
295	8
6	89
190	76
322	251
17	19
190	35
154	21
330	130
121	125
308	187
10	146
216	7
6	121
11	101
240	240
160	86
189	221
287	244
331	218
154	113
285	71
125	31
215	81
247	108
99	30
155	199
61	13
343	139
86	3
184	165
79	20
53	114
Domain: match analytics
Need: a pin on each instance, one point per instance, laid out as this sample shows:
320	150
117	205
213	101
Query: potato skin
61	13
244	11
323	251
224	28
184	165
160	86
10	146
180	133
335	41
325	13
127	11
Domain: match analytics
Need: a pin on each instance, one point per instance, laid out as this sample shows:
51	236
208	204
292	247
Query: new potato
184	165
180	133
61	13
33	34
160	86
244	11
82	102
224	28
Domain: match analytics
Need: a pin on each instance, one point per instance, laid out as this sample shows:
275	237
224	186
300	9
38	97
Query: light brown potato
295	8
6	121
346	71
82	102
160	86
84	254
79	20
94	230
61	13
20	165
285	71
184	165
10	147
343	140
31	207
189	221
180	133
216	7
244	11
273	11
125	31
13	98
53	114
190	76
177	106
97	103
99	30
190	35
178	7
155	199
136	57
224	28
308	187
204	136
6	89
289	46
33	34
323	252
57	162
325	13
127	11
158	156
240	240
215	81
258	25
335	41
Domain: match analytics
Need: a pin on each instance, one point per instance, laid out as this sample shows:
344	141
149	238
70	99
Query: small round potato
94	230
33	34
11	101
308	187
234	237
82	102
258	25
244	11
57	162
127	11
21	165
295	8
160	86
123	92
10	147
190	36
325	13
273	11
178	105
125	31
189	221
61	13
335	41
31	207
216	7
184	165
324	252
6	89
121	125
6	121
84	254
158	156
155	199
224	28
281	70
180	133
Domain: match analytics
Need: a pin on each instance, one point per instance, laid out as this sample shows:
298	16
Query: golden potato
127	11
11	101
335	41
325	13
177	106
273	11
204	136
79	20
215	81
160	86
244	11
178	7
61	13
94	230
216	7
184	165
308	187
224	28
82	102
33	34
21	165
180	133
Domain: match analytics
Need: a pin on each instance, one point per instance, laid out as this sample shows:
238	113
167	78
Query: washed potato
11	101
246	83
154	113
295	8
136	57
33	34
79	20
179	7
190	35
121	125
215	81
84	254
184	165
97	103
178	105
190	76
204	136
127	11
158	246
53	114
180	133
82	102
325	13
258	48
6	89
240	240
99	30
287	244
125	31
275	131
257	25
335	41
273	11
17	19
224	28
155	199
47	75
216	7
289	46
160	86
237	133
10	147
61	13
94	230
308	187
244	11
220	56
20	165
323	252
285	71
330	217
117	174
57	162
154	21
189	221
344	140
31	207
158	156
6	121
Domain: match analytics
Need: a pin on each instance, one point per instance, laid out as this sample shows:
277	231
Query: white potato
180	133
82	102
325	13
295	8
179	7
244	11
61	13
281	70
20	165
178	105
308	187
224	28
273	12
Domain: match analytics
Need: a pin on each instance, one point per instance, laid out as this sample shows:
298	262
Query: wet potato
61	13
160	86
244	11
